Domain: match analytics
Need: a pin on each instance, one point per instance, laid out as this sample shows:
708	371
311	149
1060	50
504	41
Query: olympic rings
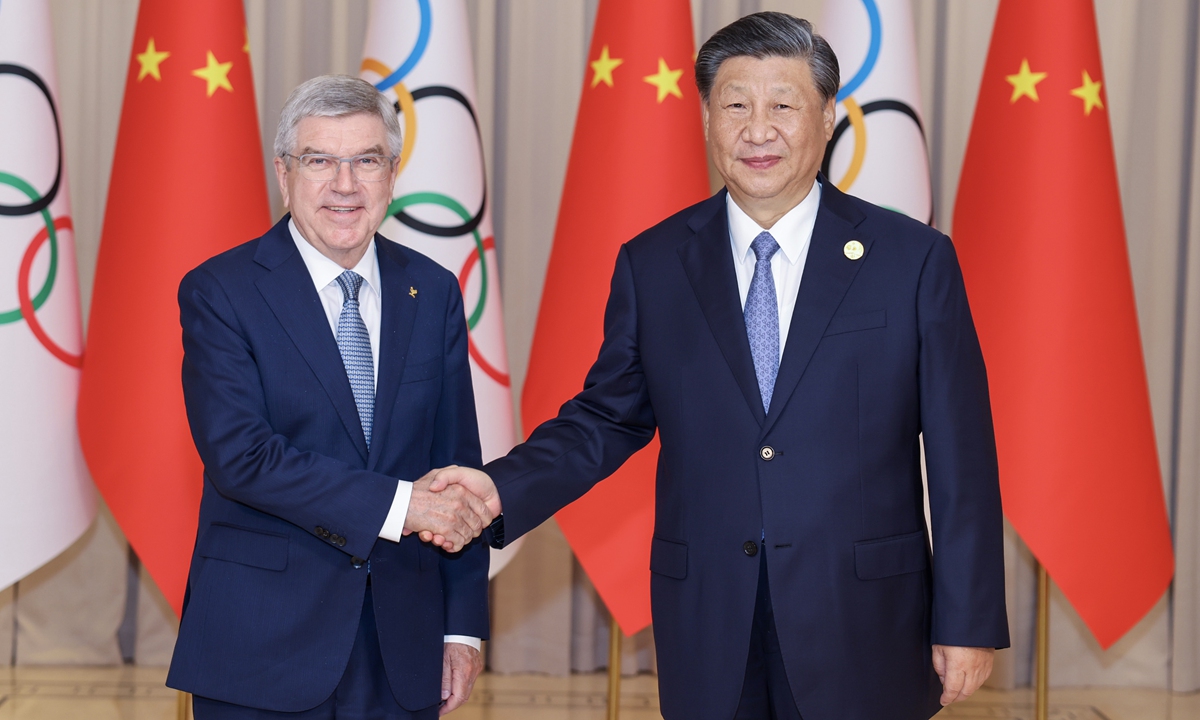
472	221
418	49
40	202
430	198
855	115
489	243
872	52
871	107
40	299
27	308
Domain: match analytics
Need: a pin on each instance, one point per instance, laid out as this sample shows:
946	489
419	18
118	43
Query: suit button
325	534
332	538
341	542
750	548
767	452
320	531
357	562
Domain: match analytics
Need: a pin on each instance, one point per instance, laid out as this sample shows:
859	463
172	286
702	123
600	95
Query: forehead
348	133
744	73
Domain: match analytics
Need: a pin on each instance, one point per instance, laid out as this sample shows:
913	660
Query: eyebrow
373	150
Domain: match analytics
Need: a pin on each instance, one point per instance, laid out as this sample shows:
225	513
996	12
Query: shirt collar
792	231
325	271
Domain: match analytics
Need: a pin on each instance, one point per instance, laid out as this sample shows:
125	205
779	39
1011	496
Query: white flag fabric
418	53
46	495
878	149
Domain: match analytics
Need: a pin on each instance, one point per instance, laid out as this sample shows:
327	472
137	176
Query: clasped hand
450	507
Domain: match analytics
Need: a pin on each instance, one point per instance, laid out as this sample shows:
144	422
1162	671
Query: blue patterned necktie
762	317
355	346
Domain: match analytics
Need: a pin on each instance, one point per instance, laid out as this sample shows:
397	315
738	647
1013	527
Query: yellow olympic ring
855	114
406	106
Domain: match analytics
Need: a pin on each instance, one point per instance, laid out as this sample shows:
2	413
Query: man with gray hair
325	373
790	344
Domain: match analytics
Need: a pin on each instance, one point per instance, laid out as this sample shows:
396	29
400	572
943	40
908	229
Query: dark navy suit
879	350
293	501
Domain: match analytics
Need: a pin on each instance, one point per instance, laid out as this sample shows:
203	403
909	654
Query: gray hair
769	34
335	96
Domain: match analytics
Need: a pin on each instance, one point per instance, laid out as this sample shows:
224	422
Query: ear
704	118
281	176
830	114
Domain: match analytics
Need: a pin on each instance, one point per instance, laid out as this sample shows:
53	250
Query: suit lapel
708	262
827	276
395	332
289	292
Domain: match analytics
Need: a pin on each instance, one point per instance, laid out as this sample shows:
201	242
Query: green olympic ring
431	198
40	299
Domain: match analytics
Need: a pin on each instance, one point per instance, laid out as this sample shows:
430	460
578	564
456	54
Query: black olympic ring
44	202
473	223
867	109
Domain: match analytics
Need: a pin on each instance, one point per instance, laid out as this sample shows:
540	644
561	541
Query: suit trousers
766	694
362	694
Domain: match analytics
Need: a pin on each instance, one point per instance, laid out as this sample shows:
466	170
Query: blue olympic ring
872	52
418	50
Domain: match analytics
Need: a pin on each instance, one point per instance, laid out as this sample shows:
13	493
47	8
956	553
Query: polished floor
132	693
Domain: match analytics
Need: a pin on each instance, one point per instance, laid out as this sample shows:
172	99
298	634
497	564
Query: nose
759	130
344	181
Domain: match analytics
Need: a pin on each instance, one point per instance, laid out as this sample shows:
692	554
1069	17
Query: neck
765	212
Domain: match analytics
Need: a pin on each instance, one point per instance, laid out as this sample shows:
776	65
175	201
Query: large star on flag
150	60
1089	93
603	67
666	80
216	74
1025	82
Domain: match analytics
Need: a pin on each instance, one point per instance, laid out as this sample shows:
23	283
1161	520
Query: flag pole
182	706
614	669
1042	682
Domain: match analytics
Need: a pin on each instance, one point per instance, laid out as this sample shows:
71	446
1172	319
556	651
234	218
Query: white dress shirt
324	274
793	232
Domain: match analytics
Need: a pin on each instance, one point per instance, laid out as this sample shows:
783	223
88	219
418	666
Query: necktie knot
350	283
764	246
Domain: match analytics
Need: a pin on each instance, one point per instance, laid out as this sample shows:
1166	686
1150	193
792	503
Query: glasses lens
326	167
318	167
370	167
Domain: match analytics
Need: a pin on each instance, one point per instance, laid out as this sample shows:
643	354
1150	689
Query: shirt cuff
465	640
393	524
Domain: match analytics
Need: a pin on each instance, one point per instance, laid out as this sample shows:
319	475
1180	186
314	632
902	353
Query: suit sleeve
244	459
456	442
594	432
960	458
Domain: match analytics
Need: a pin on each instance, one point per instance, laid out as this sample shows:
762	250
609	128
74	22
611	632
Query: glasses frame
299	168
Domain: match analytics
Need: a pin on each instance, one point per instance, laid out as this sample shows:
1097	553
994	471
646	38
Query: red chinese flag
637	157
187	183
1041	239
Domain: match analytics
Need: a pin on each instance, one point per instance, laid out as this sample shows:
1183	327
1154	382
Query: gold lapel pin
853	250
412	291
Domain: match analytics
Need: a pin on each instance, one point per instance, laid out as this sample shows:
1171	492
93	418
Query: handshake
450	507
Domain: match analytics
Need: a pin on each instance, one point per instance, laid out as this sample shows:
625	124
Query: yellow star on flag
150	60
1025	82
1089	93
215	73
666	80
246	47
603	68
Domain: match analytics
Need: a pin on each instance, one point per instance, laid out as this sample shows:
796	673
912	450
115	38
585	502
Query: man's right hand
456	478
453	515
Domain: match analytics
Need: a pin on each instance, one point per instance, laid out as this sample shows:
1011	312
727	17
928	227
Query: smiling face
338	217
767	128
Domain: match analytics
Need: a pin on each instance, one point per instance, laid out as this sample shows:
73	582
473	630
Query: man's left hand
962	670
461	664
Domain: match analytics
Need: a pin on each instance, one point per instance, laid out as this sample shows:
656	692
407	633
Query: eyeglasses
323	168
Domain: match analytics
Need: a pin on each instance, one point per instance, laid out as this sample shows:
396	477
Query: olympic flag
878	148
46	498
187	183
419	54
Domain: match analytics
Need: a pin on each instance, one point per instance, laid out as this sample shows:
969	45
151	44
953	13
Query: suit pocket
668	558
423	371
896	555
862	321
244	546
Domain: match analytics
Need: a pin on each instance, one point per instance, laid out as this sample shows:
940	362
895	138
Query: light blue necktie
355	346
762	317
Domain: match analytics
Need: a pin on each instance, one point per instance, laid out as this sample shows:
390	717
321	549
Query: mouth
342	210
761	162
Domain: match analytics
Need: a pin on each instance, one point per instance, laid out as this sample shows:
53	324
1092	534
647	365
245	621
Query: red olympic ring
27	311
489	243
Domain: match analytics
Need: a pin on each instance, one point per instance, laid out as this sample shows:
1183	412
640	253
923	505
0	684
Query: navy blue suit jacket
293	501
879	350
